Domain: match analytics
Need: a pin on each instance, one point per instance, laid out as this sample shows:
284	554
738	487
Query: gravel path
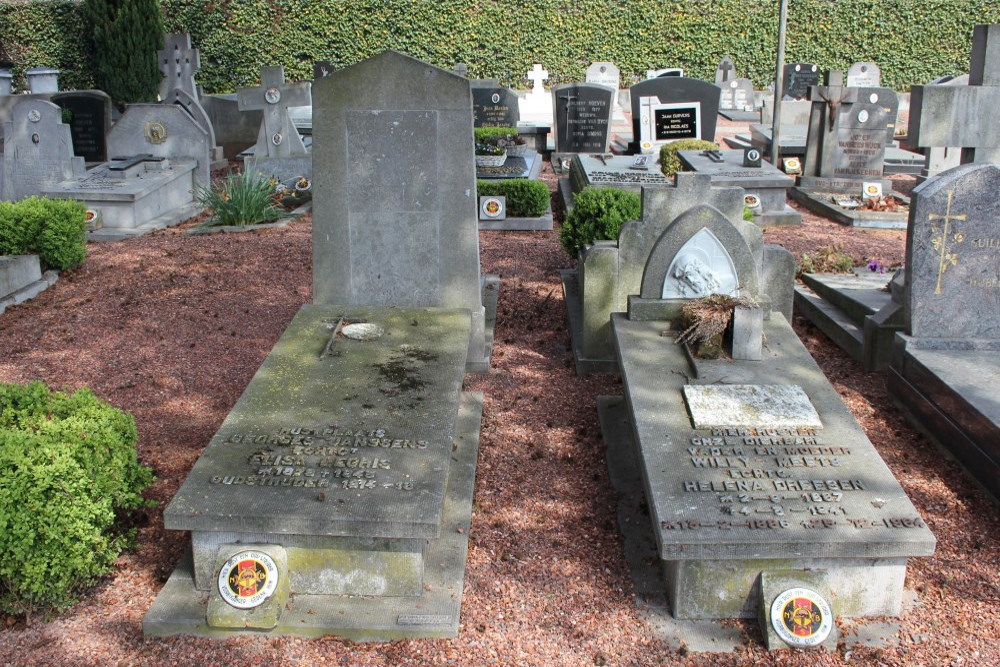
172	327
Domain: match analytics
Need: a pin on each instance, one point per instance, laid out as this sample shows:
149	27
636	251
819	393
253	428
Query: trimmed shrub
492	134
67	467
598	214
125	35
671	164
525	198
54	229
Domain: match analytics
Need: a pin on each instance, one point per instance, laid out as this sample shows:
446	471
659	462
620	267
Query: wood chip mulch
172	327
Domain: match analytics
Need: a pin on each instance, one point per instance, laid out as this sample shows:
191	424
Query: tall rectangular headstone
668	108
582	113
417	242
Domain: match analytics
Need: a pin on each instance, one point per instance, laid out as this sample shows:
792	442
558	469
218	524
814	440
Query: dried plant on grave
831	259
887	203
710	316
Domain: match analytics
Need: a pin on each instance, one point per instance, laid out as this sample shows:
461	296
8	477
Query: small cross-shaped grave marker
278	136
536	76
725	66
179	63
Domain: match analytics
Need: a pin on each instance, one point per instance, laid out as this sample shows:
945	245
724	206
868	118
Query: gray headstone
278	137
181	98
963	115
864	75
604	74
398	127
797	78
952	289
178	63
725	72
42	80
88	113
582	113
737	94
494	106
162	130
668	108
38	150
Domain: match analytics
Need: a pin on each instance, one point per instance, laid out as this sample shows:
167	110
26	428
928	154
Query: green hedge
67	467
912	41
598	214
54	229
525	198
670	162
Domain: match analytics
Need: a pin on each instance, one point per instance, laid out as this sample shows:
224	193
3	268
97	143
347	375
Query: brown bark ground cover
172	327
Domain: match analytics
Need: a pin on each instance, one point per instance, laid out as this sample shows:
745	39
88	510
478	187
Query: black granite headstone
796	79
494	106
685	92
88	114
582	117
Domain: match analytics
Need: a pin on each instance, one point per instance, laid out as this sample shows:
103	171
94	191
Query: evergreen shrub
525	198
670	163
54	229
68	467
598	214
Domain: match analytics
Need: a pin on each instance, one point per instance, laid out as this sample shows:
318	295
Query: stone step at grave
349	459
857	294
740	115
837	325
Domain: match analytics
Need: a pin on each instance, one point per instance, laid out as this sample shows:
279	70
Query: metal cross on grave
963	116
536	76
278	136
179	63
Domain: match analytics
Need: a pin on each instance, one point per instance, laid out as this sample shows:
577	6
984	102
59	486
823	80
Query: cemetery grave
279	151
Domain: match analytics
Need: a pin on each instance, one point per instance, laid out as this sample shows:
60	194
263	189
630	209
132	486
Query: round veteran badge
248	579
801	617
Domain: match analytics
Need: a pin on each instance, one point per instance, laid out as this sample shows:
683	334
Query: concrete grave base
819	203
21	278
574	313
740	116
950	396
180	608
281	168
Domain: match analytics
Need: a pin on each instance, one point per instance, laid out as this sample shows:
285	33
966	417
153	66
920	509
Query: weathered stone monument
279	150
336	497
764	496
159	158
38	150
610	272
945	370
864	75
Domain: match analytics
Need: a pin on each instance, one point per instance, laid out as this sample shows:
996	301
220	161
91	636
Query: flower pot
517	150
491	160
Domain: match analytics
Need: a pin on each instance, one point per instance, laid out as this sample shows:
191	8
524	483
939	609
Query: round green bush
55	229
68	467
598	214
670	163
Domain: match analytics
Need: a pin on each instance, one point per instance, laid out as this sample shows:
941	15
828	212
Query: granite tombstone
665	109
582	113
494	106
797	78
88	113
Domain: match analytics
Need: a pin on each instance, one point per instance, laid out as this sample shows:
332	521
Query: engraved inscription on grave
323	458
676	123
776	479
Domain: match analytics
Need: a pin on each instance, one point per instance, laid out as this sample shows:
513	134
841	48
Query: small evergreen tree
125	36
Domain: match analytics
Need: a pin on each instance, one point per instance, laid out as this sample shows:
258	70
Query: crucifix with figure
277	137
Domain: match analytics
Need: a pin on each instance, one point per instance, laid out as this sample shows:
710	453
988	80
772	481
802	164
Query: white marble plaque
750	405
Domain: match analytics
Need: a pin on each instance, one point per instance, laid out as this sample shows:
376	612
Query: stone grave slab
357	492
528	165
669	108
782	406
494	106
582	113
89	119
38	150
769	184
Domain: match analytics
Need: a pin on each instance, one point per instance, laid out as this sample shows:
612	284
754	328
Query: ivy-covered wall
913	41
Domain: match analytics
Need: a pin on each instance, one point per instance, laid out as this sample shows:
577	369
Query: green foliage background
124	38
913	41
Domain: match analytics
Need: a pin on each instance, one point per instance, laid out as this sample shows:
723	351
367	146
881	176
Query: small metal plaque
801	617
272	95
34	115
155	132
492	208
248	579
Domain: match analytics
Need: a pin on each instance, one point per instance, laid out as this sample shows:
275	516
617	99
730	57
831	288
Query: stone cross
278	136
178	63
722	71
536	76
963	116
